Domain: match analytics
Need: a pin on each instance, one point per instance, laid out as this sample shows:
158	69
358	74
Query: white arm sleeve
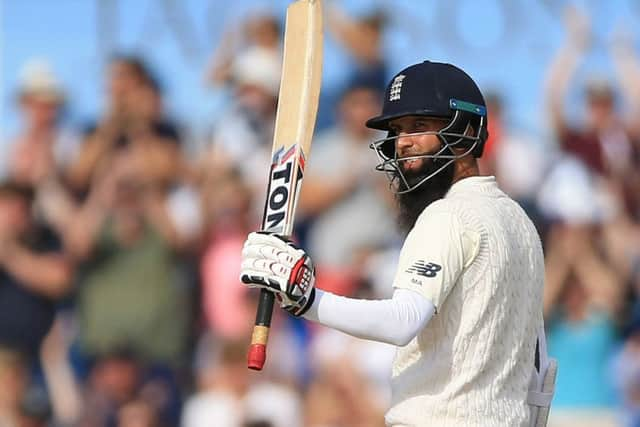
393	321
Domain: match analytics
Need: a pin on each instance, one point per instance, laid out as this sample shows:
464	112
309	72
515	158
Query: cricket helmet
431	89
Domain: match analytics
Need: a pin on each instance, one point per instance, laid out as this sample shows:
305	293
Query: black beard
411	204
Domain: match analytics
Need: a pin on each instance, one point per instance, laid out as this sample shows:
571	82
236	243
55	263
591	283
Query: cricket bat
295	121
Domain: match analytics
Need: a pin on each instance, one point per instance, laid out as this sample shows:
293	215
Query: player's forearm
394	321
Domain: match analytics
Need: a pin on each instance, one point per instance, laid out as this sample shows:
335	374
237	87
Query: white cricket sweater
478	258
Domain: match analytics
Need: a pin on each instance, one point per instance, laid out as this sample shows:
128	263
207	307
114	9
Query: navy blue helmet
432	89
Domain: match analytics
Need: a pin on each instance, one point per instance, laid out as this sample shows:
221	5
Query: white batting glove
270	262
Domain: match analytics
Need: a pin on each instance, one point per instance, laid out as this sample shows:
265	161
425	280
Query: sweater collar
475	185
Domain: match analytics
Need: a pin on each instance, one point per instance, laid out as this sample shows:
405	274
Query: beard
411	204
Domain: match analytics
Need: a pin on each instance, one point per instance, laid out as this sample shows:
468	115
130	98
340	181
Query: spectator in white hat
243	133
41	148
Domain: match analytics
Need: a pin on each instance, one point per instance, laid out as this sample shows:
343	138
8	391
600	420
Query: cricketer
466	311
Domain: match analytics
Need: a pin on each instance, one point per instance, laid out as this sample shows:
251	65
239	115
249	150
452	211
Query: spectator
517	159
583	295
134	119
228	310
362	37
125	243
259	32
603	142
340	185
627	65
42	148
229	394
34	273
590	245
226	307
114	380
244	132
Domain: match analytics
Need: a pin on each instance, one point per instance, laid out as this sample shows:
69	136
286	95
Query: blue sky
505	45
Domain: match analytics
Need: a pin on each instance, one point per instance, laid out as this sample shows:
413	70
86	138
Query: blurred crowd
120	244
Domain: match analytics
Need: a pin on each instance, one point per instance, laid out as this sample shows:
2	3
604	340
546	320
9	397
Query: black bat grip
258	348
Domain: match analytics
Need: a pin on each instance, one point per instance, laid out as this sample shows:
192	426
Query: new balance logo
396	87
424	269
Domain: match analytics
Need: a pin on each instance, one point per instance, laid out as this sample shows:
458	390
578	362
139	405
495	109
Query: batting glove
273	263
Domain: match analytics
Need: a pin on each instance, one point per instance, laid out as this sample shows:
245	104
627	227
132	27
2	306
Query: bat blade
295	120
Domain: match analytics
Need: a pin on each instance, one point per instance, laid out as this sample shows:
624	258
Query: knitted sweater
478	258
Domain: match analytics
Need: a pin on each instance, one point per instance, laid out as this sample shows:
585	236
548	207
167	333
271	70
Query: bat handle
258	348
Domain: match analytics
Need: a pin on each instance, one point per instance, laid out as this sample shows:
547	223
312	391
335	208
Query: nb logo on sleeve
424	269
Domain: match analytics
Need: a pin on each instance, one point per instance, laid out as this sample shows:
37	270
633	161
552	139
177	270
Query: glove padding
273	263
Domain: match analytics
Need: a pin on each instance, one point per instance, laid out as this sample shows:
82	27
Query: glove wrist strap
300	311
